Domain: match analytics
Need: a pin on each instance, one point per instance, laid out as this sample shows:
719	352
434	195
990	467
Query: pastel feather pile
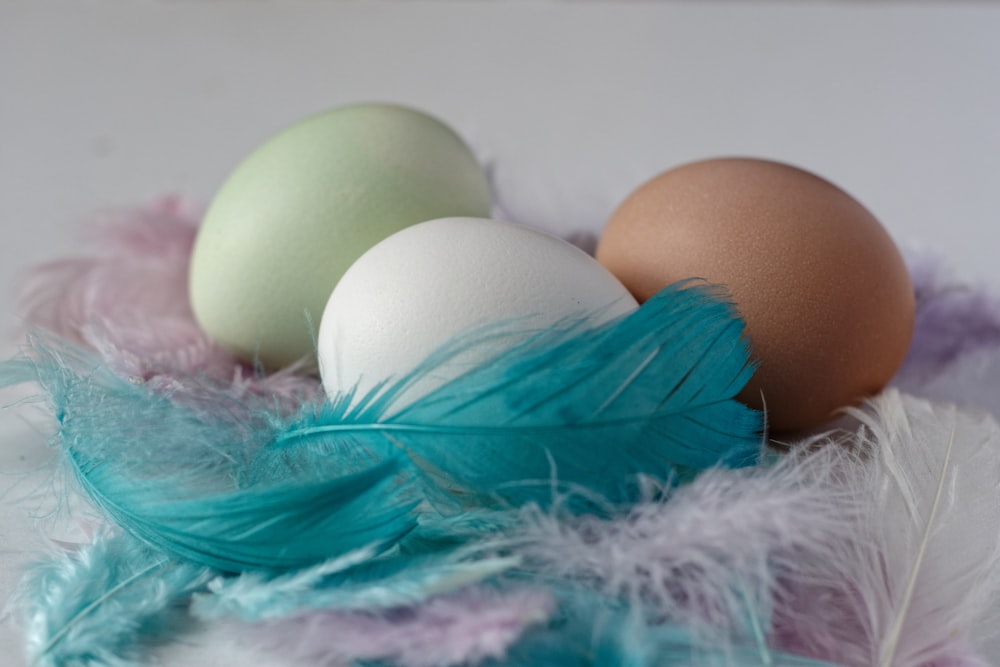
342	531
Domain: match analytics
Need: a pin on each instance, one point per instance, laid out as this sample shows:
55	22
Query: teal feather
226	480
105	603
651	393
437	533
280	526
179	474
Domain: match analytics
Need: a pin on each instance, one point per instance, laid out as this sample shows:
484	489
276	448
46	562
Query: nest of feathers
552	528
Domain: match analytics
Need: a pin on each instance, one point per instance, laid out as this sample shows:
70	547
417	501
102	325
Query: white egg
423	286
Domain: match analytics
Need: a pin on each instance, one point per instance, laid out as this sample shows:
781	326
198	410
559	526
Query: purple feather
464	628
708	557
953	321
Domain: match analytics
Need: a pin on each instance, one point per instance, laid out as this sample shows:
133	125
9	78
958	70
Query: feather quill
937	482
105	603
918	584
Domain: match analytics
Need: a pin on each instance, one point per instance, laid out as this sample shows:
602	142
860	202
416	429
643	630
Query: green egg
303	207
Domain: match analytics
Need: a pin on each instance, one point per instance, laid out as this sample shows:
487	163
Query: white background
109	103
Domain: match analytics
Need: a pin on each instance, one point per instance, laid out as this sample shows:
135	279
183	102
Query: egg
428	284
300	209
825	295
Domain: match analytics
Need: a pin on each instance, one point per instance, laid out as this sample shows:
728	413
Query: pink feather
128	299
137	267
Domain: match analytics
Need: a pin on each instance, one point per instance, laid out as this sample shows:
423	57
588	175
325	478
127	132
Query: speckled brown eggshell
826	297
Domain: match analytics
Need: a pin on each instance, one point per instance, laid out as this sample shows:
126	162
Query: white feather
933	569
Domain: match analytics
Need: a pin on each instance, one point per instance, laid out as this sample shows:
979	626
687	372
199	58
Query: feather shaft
917	582
891	641
104	603
96	604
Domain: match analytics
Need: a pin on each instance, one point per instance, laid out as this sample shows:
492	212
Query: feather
955	352
260	592
953	320
593	406
361	585
591	631
918	584
937	482
137	265
970	380
954	355
127	299
228	482
709	555
466	627
500	628
102	604
180	475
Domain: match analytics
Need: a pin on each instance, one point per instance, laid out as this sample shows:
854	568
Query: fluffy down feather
709	555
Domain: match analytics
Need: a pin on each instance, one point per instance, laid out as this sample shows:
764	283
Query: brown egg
826	297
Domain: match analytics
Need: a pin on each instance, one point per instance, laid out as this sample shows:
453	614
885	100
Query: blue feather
105	603
651	393
227	481
179	474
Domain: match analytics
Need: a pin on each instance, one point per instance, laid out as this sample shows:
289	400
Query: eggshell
419	288
827	299
299	210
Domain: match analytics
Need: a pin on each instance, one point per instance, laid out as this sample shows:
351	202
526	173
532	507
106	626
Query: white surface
107	103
